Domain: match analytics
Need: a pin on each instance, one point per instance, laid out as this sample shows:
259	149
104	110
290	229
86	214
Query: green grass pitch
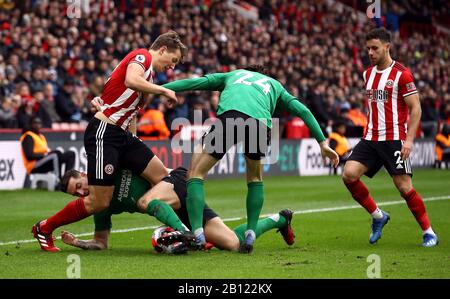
329	244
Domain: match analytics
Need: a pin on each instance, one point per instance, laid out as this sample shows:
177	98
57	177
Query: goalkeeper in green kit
246	105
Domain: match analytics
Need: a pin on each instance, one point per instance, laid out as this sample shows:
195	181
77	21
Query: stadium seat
48	178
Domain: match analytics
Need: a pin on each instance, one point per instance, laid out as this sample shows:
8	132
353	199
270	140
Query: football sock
428	231
377	214
255	200
361	194
415	204
195	202
164	213
74	211
263	225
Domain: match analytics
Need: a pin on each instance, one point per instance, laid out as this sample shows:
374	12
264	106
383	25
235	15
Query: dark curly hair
257	68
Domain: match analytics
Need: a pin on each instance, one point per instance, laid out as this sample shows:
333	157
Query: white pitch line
126	230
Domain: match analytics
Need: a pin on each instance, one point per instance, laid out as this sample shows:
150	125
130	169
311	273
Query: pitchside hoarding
296	157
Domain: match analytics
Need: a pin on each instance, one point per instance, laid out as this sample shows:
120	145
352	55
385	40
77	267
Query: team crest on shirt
109	169
140	58
390	83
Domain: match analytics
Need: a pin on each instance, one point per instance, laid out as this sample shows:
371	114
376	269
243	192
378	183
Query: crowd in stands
51	66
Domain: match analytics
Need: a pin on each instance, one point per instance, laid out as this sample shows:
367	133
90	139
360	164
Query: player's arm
295	107
134	79
415	113
133	125
213	82
99	242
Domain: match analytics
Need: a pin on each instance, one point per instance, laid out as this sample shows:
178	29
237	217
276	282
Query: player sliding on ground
133	194
247	96
110	137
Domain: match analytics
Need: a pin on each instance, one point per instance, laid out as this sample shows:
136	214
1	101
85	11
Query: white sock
248	232
198	232
377	214
428	231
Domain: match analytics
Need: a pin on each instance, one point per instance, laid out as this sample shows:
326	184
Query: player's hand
97	103
327	151
68	238
172	99
406	150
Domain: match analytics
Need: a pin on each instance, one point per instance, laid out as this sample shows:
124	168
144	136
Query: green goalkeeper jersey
128	188
251	93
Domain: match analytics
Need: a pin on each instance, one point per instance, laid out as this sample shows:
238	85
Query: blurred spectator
356	116
25	113
198	111
7	114
37	157
40	109
181	110
65	106
443	146
306	44
49	103
338	142
37	81
430	117
152	125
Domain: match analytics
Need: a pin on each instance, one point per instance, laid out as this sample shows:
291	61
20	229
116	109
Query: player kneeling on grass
162	200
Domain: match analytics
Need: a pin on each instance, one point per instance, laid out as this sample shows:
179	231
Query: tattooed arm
99	242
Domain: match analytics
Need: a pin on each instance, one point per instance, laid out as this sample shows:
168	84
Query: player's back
248	92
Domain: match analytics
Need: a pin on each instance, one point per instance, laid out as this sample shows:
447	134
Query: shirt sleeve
406	84
209	82
141	57
292	105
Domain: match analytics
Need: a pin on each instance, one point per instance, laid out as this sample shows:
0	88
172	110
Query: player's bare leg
155	171
195	201
160	202
220	235
100	198
254	202
353	170
417	207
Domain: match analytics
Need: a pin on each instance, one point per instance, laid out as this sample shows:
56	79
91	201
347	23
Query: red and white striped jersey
385	93
121	104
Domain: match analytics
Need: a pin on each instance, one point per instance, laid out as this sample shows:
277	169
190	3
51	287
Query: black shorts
375	154
222	136
109	147
178	177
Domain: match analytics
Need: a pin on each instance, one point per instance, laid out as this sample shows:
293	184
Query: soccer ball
176	247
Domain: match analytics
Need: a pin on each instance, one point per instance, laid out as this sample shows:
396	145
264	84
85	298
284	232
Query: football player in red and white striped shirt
110	138
392	99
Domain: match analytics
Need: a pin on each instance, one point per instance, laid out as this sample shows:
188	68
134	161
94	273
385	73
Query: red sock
415	204
72	212
361	194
